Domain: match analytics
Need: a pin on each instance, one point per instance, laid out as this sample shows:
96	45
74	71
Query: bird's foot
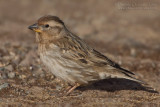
68	91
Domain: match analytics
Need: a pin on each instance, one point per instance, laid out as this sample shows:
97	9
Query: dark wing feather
110	62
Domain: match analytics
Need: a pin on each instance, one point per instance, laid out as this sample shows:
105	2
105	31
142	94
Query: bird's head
48	27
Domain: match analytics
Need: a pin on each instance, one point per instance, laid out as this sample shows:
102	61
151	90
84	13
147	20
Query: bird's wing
77	50
100	59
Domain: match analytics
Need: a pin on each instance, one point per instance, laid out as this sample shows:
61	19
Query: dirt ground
127	31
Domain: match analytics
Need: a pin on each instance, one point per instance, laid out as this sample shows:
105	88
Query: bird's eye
46	25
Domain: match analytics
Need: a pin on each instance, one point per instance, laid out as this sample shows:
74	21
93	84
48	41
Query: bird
70	58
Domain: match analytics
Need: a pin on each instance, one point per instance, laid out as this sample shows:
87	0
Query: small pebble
42	75
133	52
5	85
11	75
4	76
31	68
58	87
9	68
22	76
16	60
1	68
153	65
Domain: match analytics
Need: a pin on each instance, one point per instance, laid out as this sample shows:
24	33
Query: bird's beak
34	27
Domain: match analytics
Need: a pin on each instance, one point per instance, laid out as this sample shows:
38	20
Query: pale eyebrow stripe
58	28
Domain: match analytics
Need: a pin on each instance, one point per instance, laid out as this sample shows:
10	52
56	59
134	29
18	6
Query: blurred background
125	30
105	24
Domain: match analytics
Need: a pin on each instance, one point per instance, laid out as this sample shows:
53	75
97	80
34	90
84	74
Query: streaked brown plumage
68	57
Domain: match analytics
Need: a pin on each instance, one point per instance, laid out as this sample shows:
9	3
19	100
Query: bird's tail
112	72
124	74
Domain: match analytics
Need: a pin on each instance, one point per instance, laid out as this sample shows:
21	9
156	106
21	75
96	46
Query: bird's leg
68	88
63	92
72	88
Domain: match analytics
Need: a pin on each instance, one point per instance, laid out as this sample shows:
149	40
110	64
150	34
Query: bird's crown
48	18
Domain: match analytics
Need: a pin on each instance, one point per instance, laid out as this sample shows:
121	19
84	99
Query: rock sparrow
69	58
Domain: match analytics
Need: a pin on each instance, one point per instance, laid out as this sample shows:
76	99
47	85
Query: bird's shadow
113	85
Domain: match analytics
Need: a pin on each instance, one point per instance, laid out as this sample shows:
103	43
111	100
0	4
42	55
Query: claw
72	88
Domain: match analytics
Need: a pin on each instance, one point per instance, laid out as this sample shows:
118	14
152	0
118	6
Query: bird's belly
60	68
53	66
